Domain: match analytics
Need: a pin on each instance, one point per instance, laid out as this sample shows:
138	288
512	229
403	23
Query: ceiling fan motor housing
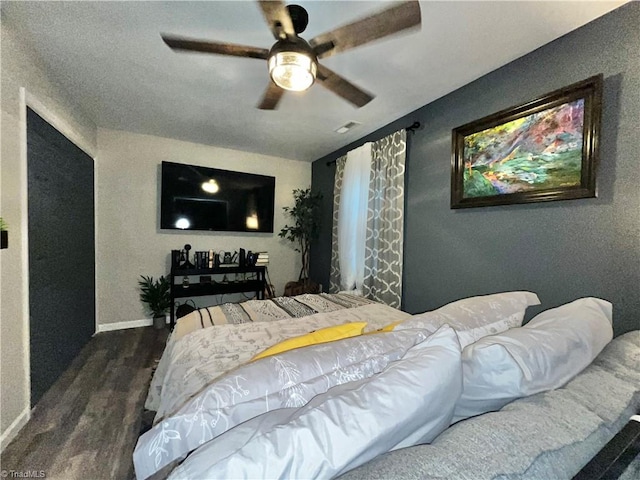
293	65
299	17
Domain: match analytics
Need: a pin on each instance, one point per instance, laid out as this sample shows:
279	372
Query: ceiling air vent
347	126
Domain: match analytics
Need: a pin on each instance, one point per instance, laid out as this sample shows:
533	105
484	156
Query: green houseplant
4	234
155	293
306	228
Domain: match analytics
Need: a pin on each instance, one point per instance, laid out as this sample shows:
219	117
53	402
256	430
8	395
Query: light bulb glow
211	186
183	223
252	222
292	70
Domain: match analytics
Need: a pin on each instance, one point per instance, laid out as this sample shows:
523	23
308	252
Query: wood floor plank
87	424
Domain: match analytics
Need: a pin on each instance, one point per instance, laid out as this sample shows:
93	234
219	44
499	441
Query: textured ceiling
109	55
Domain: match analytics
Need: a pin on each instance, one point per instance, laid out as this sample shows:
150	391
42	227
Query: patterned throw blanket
278	308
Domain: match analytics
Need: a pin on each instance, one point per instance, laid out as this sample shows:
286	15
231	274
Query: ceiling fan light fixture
292	70
292	64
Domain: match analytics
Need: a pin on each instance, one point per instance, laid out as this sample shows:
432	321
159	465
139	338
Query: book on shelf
203	260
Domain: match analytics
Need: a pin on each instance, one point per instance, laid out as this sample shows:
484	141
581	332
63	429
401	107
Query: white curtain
352	218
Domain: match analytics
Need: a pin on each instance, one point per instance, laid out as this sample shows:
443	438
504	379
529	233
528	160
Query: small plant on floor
155	293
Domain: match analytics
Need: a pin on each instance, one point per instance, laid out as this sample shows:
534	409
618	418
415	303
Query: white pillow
476	317
545	354
410	402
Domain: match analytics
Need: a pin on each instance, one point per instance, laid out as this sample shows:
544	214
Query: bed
412	396
199	349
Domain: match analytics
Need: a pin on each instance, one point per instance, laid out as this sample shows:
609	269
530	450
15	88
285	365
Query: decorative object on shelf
539	151
306	215
180	258
4	234
156	294
187	263
228	259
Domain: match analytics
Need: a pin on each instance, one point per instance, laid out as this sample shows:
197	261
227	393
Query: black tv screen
202	198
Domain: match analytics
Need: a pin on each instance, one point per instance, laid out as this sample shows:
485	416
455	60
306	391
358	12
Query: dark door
61	252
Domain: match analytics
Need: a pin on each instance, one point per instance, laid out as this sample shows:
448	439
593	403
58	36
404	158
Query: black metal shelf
214	287
177	272
217	288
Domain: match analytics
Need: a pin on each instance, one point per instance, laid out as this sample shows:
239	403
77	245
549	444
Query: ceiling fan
293	62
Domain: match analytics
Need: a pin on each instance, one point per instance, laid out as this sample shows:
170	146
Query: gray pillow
476	317
410	402
550	350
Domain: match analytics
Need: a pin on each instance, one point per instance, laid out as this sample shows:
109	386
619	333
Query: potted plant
155	293
4	234
306	228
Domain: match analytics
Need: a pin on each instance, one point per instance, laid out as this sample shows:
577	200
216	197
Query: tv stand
216	286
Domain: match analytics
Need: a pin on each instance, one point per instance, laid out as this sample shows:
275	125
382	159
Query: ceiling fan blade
401	16
271	97
278	18
342	87
192	45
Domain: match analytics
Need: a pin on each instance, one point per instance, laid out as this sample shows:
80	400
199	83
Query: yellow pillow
323	335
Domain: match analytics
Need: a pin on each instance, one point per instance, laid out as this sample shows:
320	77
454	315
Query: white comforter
196	359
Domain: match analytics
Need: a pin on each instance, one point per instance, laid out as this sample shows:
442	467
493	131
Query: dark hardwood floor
87	424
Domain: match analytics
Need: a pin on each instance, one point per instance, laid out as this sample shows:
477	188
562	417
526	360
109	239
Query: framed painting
540	151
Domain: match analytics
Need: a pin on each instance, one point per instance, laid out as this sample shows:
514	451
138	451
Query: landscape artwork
539	151
543	150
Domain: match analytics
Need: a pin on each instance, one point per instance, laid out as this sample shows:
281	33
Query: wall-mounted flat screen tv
202	198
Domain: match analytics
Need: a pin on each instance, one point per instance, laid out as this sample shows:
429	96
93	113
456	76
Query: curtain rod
411	129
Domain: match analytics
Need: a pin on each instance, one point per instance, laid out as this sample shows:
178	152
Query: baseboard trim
12	430
108	327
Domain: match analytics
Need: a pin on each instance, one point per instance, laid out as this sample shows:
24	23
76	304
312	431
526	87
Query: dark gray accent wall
561	250
61	252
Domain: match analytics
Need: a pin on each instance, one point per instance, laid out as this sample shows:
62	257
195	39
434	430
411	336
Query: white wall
23	79
130	242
